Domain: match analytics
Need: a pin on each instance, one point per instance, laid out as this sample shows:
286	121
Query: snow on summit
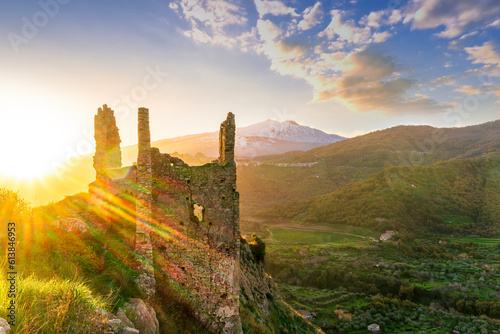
289	131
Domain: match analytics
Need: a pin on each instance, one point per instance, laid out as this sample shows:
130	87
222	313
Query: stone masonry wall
187	225
203	262
108	154
227	139
143	246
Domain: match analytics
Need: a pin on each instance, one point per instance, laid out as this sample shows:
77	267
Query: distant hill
403	145
272	179
268	137
457	196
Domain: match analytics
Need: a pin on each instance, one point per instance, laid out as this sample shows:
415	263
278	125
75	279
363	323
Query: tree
258	248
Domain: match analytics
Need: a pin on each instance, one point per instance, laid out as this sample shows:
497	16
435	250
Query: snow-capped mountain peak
287	130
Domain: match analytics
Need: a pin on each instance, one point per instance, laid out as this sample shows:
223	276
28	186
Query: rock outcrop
4	326
108	153
142	316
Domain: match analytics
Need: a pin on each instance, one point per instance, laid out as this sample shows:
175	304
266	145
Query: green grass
293	236
457	220
480	241
53	306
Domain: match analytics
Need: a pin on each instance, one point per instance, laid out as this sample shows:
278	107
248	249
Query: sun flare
28	147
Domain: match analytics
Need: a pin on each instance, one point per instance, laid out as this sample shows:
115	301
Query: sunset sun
27	148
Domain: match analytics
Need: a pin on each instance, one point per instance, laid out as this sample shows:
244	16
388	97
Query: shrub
258	248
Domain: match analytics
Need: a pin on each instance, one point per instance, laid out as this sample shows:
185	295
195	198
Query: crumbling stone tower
187	238
226	139
108	154
143	246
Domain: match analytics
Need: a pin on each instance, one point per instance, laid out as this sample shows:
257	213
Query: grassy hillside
278	179
75	262
459	196
402	145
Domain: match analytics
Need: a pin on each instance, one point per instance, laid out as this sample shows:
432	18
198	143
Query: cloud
480	91
460	43
457	16
487	55
484	54
340	65
381	37
311	16
268	31
345	30
369	81
273	7
381	18
214	22
281	52
468	90
494	24
342	31
212	13
447	80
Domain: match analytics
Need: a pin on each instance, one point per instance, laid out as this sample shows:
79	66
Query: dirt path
296	226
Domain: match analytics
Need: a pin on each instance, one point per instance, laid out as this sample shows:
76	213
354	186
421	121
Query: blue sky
346	67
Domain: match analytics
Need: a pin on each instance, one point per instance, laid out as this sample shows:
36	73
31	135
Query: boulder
123	317
128	330
142	316
113	325
4	326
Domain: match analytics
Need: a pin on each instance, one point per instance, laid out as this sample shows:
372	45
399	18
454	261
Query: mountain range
268	137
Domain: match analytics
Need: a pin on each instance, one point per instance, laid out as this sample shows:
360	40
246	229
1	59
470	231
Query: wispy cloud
447	80
210	21
311	16
382	18
369	81
457	16
484	54
487	55
345	30
485	89
273	7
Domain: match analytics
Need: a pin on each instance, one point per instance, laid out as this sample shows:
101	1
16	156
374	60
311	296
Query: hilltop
299	176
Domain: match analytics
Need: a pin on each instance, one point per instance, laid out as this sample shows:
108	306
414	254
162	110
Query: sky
345	67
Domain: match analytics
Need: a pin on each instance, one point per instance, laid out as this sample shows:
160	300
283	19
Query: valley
313	220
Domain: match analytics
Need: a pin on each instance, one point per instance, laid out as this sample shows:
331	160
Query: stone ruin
187	235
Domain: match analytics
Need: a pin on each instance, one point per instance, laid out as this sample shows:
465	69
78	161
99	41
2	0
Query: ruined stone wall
202	258
227	137
108	154
187	222
144	178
